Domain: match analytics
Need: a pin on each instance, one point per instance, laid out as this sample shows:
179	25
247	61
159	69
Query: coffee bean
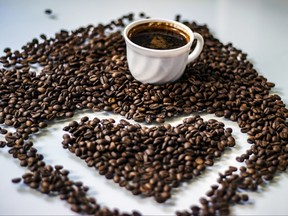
16	180
245	197
48	11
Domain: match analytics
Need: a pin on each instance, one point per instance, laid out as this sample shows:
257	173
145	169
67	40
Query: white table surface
259	28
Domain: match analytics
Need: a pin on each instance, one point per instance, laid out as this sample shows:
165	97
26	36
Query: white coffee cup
157	66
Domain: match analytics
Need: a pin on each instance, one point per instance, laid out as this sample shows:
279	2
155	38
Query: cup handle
199	46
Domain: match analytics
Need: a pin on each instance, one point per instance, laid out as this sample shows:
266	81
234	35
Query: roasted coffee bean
48	11
16	180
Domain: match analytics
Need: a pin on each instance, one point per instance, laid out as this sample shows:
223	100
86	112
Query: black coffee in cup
158	35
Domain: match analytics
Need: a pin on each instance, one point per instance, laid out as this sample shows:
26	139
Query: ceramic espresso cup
156	64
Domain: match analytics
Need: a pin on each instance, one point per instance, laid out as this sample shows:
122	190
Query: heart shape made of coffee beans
148	160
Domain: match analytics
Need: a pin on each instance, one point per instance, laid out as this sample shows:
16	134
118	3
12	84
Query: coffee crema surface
160	36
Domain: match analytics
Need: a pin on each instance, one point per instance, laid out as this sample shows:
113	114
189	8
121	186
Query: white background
259	28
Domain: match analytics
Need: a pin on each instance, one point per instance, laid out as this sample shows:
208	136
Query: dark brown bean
16	180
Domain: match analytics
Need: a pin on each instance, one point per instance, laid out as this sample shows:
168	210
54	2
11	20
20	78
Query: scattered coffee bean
48	11
16	180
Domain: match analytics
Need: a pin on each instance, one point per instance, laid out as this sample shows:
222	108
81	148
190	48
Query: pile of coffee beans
148	161
87	69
